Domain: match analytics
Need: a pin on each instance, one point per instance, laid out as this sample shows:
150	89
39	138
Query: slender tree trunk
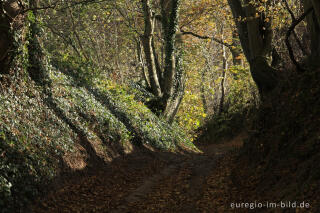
149	21
157	64
202	90
141	63
223	79
171	111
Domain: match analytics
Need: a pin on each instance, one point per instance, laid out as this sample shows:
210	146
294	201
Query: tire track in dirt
199	167
139	184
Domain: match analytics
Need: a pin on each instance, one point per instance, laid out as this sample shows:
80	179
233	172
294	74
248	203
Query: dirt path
141	183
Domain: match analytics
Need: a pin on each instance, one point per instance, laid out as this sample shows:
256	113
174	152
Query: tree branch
206	37
294	33
291	28
289	10
55	5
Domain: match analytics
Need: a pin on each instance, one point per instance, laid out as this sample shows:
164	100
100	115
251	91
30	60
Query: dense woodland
159	105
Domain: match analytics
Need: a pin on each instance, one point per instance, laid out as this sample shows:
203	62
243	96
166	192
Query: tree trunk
313	21
263	75
8	11
173	77
149	21
141	63
174	101
169	10
223	79
202	90
35	53
256	40
157	64
172	108
316	7
166	79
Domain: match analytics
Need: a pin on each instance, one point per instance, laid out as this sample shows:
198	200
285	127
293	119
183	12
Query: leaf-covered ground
148	182
163	182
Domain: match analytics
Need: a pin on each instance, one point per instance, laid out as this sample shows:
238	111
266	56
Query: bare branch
291	28
293	32
206	37
55	5
127	22
289	10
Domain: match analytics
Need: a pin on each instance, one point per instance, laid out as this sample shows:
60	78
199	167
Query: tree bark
316	7
8	11
174	101
141	63
313	22
256	40
172	108
169	23
149	21
223	79
166	79
203	91
157	64
173	76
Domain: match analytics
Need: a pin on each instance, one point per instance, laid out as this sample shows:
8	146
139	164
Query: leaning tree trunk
256	40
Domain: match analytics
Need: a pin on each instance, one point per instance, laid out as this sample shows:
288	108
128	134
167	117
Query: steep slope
63	123
280	161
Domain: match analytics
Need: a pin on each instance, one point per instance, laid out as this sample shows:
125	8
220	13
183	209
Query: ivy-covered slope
69	122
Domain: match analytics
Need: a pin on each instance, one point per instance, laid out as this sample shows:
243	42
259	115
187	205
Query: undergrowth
240	106
42	122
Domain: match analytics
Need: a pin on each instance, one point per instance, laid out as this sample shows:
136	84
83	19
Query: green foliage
241	101
84	110
221	126
192	115
122	107
243	93
31	139
40	122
